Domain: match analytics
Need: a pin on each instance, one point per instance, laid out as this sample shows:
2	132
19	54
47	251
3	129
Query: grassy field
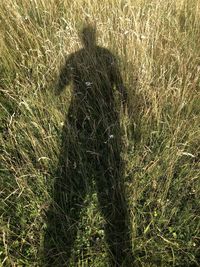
158	44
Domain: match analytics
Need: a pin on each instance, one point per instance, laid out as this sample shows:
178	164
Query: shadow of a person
90	149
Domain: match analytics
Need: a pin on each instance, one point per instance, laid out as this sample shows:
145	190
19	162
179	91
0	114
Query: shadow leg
63	216
113	205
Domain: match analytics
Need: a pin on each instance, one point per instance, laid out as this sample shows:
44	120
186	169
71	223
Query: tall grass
158	45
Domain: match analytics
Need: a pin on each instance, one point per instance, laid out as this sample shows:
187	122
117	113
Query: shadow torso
92	110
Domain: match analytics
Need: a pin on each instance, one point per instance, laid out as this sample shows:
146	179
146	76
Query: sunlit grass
158	46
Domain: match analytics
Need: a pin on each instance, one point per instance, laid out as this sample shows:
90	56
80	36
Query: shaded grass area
157	44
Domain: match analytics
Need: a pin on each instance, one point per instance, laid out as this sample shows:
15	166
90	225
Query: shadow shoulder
106	54
74	55
104	51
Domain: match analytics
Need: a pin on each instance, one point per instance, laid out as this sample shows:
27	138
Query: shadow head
88	36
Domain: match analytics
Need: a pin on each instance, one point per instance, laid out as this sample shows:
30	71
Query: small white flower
88	83
111	136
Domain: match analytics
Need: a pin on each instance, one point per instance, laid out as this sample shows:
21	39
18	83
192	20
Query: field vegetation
158	47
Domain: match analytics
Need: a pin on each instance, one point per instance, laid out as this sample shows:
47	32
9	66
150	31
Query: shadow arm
118	81
65	77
